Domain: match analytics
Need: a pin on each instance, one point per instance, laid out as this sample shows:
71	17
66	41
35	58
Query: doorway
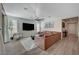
72	28
69	27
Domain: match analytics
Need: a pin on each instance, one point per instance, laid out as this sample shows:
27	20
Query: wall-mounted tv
28	27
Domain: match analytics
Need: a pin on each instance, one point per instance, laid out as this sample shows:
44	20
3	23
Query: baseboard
6	42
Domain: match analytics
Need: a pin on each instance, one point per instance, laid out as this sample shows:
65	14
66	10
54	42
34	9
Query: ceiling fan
36	14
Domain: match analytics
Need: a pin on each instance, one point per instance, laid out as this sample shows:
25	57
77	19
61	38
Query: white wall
57	24
72	26
26	33
7	35
19	27
0	30
0	17
1	37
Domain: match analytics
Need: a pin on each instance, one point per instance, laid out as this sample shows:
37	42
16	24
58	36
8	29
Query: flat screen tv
28	27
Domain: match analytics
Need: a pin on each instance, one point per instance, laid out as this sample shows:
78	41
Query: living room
36	28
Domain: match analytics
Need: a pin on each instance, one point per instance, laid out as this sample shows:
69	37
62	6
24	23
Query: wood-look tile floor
14	48
66	46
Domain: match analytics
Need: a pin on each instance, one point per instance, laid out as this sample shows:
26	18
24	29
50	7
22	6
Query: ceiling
42	9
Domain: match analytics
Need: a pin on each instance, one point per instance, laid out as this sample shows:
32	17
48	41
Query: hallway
66	46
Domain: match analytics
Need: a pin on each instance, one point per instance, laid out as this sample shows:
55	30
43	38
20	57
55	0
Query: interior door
71	28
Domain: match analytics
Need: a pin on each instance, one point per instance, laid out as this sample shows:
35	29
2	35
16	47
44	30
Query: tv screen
27	26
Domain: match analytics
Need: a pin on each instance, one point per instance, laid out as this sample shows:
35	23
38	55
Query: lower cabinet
45	42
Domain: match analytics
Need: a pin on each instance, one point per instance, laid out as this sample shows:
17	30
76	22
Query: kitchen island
44	40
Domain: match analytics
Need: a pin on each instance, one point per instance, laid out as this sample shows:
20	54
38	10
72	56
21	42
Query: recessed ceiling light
25	8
